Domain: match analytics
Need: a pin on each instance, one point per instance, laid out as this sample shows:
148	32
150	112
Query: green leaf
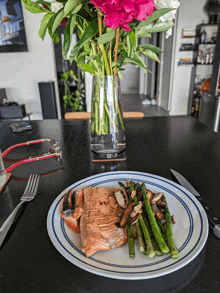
96	68
57	20
88	67
70	4
120	75
43	2
128	45
90	31
150	47
121	58
150	54
114	64
45	22
76	9
33	7
139	60
159	27
136	60
145	34
81	57
87	47
54	36
79	33
122	33
107	37
92	57
133	23
155	15
132	38
68	33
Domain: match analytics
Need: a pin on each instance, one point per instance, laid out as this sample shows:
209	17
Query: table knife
214	221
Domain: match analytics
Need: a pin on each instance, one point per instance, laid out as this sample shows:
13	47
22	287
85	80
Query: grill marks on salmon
99	221
79	199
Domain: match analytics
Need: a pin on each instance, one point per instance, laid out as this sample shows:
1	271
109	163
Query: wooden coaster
8	177
96	159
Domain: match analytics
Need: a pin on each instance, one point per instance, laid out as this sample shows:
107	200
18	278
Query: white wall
190	14
21	72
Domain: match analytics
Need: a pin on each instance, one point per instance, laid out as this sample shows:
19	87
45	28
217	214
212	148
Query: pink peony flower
122	12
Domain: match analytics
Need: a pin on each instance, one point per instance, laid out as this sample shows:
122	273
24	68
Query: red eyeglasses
54	151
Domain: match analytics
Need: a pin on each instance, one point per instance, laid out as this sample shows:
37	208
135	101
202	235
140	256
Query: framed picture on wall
12	30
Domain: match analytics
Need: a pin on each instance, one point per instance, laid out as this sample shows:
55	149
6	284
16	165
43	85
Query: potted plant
72	100
212	9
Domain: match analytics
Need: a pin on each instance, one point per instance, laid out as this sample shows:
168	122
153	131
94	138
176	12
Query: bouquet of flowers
108	30
108	38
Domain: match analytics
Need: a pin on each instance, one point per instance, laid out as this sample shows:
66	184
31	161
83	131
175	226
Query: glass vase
107	125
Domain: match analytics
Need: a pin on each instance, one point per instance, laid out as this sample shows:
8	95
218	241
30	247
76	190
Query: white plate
190	231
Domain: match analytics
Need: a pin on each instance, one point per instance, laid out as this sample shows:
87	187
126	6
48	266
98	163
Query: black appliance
48	100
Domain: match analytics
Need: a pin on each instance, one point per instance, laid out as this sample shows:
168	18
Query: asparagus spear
155	245
150	249
130	240
140	237
155	229
161	226
162	230
169	233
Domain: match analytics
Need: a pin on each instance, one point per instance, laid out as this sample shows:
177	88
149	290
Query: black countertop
28	260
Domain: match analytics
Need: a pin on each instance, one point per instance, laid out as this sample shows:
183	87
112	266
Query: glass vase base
107	152
120	157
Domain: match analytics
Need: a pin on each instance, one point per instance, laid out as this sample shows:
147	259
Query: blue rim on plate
116	263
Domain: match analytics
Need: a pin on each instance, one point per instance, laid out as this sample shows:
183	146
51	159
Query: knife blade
214	220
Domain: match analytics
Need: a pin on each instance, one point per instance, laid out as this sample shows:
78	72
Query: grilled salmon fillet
99	221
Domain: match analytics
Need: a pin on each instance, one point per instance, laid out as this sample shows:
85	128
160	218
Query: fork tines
32	183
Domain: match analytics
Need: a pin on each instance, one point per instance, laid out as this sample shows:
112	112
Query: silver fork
28	195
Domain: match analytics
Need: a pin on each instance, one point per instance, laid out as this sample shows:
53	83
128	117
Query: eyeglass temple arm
23	144
9	169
